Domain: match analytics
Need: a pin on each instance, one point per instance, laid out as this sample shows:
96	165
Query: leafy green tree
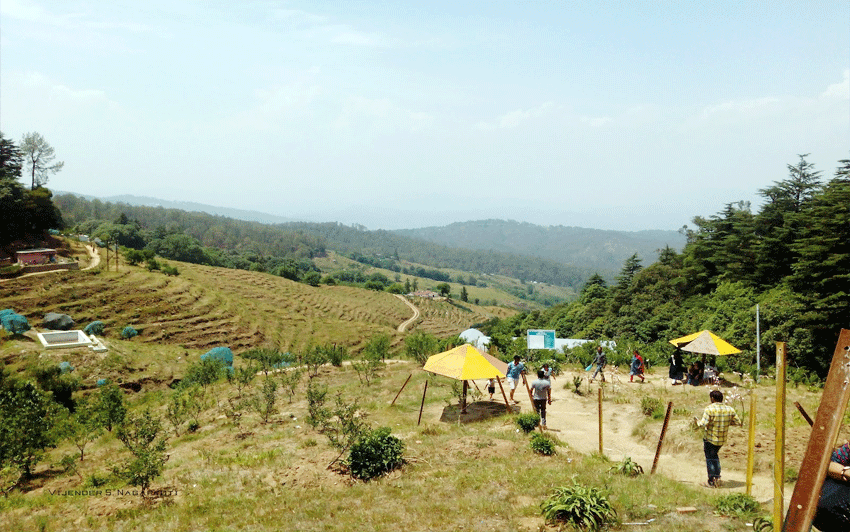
464	295
60	385
821	275
205	372
312	278
444	289
41	213
38	155
419	346
27	418
111	406
268	358
12	223
142	434
83	426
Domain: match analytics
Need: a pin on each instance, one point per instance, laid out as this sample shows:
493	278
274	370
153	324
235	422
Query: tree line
791	258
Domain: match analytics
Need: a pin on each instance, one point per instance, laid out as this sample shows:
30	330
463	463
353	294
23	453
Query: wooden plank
836	392
661	438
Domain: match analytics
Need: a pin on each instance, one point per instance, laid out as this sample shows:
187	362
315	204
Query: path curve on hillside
95	260
403	327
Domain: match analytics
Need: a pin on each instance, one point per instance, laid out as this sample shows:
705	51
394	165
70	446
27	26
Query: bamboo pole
599	395
423	403
402	388
779	452
661	438
751	447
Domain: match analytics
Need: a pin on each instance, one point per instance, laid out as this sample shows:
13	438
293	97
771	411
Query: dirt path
574	420
95	257
403	327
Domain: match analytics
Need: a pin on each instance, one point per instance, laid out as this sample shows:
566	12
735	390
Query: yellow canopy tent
466	363
706	343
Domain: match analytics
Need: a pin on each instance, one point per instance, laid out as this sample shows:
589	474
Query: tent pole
402	388
423	403
463	398
507	404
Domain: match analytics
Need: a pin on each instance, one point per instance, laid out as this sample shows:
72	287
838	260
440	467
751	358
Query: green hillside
604	251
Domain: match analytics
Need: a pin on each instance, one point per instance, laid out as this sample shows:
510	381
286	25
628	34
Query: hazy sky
631	115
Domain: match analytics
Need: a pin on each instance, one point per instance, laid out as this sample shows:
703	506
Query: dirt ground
573	419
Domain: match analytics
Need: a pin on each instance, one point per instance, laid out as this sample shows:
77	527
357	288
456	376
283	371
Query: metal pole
779	453
661	438
423	403
402	388
601	453
836	393
751	447
758	345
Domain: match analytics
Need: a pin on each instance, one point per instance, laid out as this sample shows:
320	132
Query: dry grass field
473	472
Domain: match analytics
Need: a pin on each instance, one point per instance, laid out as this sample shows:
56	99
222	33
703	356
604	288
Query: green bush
627	467
376	453
542	444
528	421
650	406
738	505
129	332
579	506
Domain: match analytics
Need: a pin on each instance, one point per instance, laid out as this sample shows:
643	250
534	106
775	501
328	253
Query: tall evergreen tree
821	273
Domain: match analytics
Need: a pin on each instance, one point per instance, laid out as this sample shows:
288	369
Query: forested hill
393	246
588	248
219	241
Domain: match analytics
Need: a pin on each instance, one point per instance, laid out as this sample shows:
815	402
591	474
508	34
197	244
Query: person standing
601	360
676	368
491	387
547	372
515	371
637	368
716	419
541	394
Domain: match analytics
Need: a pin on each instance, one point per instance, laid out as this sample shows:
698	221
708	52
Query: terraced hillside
205	307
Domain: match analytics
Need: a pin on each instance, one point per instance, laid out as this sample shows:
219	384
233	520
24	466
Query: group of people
541	388
833	512
636	369
696	373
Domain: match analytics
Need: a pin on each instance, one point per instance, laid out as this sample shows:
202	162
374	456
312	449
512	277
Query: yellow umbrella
705	342
466	363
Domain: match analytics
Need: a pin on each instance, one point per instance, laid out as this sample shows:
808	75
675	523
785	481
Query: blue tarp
220	353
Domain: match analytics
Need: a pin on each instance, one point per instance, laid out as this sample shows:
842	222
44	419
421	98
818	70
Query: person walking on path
601	360
547	372
515	371
637	367
541	394
716	420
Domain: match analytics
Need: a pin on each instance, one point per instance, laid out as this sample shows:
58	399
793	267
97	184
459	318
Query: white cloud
740	106
840	90
381	114
516	117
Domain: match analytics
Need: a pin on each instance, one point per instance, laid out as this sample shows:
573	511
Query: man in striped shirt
716	419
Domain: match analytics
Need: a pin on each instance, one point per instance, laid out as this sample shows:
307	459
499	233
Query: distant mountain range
597	249
588	248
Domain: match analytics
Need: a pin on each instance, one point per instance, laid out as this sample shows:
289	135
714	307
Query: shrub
95	327
316	411
542	444
129	332
376	453
142	435
419	346
650	406
336	354
627	467
580	507
528	421
737	505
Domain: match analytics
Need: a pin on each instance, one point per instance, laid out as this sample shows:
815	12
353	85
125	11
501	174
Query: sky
619	115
